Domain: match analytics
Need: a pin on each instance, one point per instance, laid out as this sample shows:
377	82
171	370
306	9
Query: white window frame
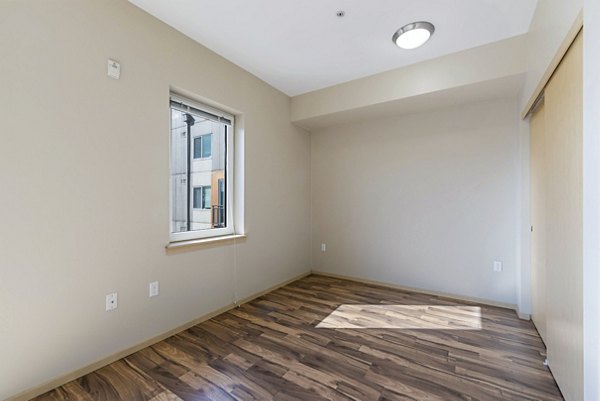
229	229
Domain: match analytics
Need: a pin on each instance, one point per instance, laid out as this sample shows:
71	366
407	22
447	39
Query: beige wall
85	178
425	200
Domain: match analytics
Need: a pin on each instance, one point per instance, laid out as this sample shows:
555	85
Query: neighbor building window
203	146
202	198
201	159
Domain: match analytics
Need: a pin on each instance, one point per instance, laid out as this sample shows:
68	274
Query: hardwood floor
322	338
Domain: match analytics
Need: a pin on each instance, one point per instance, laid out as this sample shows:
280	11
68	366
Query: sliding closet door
537	129
564	222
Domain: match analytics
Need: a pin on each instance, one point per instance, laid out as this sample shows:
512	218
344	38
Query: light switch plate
497	266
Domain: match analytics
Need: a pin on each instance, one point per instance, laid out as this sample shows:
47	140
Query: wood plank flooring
322	338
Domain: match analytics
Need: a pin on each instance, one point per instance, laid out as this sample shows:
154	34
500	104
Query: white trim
205	241
523	316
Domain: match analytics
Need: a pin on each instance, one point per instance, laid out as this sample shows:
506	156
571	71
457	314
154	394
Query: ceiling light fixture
413	35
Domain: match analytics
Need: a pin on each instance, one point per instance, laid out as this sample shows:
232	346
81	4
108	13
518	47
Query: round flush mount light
413	35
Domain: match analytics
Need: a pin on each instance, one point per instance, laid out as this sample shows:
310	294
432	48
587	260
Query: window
202	198
201	159
203	146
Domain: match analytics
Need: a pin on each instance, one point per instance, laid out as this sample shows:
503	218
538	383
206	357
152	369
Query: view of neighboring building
197	172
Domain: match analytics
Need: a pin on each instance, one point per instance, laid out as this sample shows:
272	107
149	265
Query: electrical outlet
323	247
497	266
153	289
112	301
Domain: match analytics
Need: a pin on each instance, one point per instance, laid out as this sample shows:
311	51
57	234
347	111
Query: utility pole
190	121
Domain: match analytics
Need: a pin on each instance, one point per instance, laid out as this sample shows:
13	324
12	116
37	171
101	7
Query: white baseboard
64	379
423	291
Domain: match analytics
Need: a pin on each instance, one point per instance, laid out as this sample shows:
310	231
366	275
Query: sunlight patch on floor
413	317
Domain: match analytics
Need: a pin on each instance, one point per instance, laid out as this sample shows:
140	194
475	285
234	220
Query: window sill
203	242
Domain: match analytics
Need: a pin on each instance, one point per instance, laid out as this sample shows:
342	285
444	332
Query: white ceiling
300	45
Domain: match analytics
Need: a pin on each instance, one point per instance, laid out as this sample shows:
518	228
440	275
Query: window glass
206	198
197	198
206	145
199	146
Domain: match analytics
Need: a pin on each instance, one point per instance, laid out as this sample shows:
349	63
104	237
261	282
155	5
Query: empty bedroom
300	200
